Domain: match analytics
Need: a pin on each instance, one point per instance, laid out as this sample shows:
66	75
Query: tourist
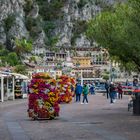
78	92
112	92
92	89
107	89
120	91
85	93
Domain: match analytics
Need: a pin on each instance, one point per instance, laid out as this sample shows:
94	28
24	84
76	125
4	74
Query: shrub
9	22
81	3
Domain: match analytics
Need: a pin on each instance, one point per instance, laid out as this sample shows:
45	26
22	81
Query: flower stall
43	97
65	86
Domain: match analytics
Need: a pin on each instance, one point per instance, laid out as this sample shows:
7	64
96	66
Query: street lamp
110	69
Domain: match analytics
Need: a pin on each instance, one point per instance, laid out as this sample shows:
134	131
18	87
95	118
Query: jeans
78	97
112	96
85	98
92	92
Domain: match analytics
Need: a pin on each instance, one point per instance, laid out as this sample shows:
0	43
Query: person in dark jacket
107	89
92	89
112	92
78	92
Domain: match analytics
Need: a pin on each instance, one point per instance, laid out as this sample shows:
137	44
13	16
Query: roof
6	74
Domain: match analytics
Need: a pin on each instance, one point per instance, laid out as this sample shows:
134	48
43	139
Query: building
81	61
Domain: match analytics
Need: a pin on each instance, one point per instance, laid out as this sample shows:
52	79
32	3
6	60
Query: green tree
105	77
20	69
32	59
12	59
119	32
22	46
9	22
3	56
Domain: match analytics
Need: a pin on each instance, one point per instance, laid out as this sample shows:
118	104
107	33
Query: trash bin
136	104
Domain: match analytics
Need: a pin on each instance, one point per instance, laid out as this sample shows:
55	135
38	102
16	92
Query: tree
105	77
3	56
12	59
119	32
20	69
22	46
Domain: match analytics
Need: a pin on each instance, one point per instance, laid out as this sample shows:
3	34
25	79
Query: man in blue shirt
78	92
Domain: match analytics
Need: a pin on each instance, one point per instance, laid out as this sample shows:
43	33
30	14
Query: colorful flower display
43	97
65	86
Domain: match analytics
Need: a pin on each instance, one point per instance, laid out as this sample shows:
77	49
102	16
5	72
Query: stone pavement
98	120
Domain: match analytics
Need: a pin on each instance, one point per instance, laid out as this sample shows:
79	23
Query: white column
81	77
110	69
2	90
7	91
13	87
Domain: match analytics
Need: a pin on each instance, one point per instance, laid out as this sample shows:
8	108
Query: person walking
92	89
120	91
85	93
78	92
112	92
107	89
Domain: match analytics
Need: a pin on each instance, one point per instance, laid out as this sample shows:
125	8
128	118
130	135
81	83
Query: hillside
50	24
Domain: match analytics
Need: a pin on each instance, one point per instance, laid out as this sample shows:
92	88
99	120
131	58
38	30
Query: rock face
73	14
69	28
11	9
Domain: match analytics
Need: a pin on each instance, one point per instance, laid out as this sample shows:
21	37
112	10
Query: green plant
9	22
51	10
28	6
33	26
12	59
82	3
79	28
32	59
20	69
22	46
105	77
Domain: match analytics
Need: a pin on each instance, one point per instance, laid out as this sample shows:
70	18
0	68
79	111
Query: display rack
18	89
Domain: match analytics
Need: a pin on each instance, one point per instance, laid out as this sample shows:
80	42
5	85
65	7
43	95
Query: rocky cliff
49	23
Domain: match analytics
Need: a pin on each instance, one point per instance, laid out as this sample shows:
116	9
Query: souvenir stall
18	88
65	86
6	87
9	85
43	97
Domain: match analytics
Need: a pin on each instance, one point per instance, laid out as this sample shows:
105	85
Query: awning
17	75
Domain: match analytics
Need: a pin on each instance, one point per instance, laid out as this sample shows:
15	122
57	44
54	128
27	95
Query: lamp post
110	69
81	77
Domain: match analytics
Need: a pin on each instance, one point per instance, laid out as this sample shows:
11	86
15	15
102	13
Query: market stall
8	85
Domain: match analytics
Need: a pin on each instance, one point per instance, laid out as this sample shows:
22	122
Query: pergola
10	77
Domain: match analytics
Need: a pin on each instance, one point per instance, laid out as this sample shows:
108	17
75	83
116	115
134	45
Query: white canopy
17	75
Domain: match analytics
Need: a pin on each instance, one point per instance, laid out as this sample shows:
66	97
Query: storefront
6	87
8	84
